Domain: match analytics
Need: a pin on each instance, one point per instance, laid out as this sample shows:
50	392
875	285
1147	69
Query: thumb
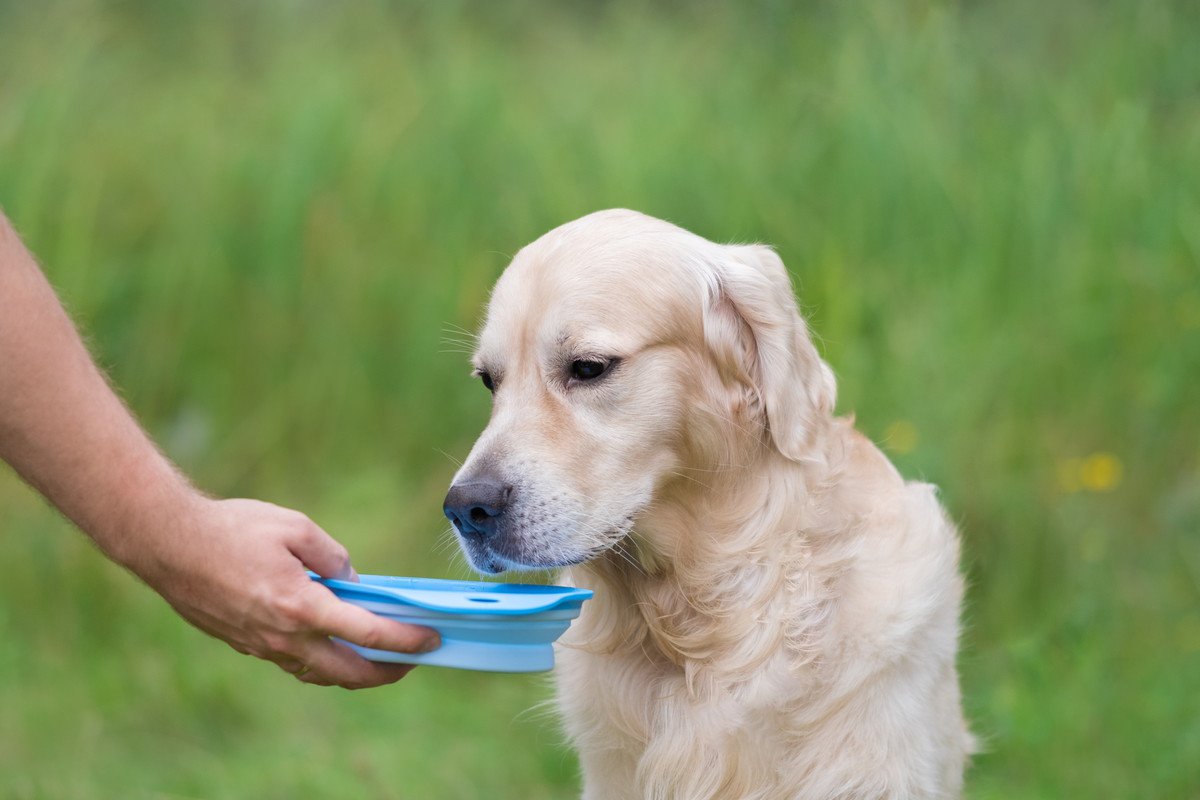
320	552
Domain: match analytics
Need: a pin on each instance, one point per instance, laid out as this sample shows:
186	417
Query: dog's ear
753	320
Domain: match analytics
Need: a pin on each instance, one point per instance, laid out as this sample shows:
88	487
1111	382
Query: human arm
233	568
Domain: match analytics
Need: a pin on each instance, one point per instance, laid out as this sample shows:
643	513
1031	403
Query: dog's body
806	649
776	610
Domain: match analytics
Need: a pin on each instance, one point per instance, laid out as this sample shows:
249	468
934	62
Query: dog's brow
582	343
481	362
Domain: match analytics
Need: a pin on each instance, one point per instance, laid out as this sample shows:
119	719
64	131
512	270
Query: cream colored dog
776	610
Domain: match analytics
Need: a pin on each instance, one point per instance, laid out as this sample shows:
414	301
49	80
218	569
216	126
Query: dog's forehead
598	296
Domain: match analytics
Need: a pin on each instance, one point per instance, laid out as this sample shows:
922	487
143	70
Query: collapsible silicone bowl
496	627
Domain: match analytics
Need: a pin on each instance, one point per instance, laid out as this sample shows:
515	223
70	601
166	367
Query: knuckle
294	525
307	529
274	644
292	609
372	638
260	598
296	519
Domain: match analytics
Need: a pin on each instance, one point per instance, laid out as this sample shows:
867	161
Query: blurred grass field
272	218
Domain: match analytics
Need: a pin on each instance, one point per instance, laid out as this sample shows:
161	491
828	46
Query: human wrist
156	509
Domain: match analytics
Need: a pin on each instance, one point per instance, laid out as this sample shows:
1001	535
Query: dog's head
625	355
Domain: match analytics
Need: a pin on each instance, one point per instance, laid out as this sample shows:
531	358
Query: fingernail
354	574
430	644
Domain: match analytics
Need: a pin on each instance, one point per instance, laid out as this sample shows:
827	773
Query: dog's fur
776	609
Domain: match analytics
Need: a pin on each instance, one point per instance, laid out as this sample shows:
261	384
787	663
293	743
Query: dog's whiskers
446	540
458	340
459	330
628	558
447	455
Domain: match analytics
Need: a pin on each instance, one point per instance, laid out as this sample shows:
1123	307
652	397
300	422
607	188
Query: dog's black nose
475	507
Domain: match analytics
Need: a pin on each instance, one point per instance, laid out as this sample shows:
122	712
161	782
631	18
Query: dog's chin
487	560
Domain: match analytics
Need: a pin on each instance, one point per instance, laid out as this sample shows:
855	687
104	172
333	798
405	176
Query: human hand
233	568
236	570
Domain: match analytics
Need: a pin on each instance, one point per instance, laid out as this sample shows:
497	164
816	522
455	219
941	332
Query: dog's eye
587	370
486	377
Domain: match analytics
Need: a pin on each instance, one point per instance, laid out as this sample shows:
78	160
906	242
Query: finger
332	663
319	551
313	677
290	665
345	621
301	671
315	680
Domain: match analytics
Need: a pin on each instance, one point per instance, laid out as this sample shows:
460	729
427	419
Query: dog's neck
718	548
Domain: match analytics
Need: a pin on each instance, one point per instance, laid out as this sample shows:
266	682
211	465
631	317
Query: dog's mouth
493	559
511	553
490	562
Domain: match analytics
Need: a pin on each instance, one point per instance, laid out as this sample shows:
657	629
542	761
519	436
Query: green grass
269	216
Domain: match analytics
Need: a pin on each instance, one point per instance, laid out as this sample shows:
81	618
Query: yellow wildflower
1100	472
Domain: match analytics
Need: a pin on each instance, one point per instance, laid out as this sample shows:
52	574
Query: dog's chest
636	724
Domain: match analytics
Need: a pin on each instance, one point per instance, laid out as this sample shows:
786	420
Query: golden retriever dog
776	609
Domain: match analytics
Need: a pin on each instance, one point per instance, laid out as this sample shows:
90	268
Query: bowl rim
448	596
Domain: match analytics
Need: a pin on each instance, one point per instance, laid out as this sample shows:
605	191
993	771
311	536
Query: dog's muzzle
476	507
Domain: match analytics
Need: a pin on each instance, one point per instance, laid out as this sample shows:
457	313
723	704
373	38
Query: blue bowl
495	627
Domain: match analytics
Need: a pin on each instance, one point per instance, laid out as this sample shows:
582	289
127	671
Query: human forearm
64	429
